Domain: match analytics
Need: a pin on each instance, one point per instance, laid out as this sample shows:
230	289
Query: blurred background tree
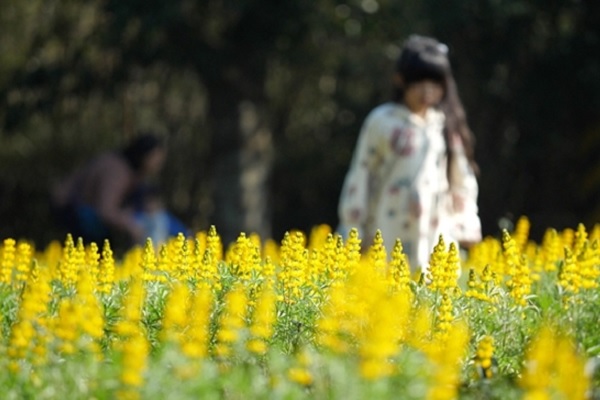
261	101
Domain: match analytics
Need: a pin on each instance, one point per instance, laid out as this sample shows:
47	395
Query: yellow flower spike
131	311
65	328
201	239
329	325
23	261
92	261
318	236
452	268
181	256
131	266
326	256
175	314
195	345
595	233
567	237
342	266
231	321
52	255
511	253
445	354
377	253
294	267
300	373
553	367
399	269
244	257
588	262
444	314
106	270
66	258
271	250
134	360
213	243
196	259
484	355
263	319
580	238
551	249
149	263
571	381
352	247
28	333
164	263
472	285
385	328
437	263
91	314
521	233
517	270
8	260
569	277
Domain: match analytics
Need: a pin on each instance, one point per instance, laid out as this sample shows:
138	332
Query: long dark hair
139	147
426	58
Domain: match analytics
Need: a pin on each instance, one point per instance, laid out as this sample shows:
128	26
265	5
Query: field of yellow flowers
310	317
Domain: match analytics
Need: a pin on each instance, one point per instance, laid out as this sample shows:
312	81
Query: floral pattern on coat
398	182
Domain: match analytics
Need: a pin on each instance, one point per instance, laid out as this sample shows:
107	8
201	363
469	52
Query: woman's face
154	161
420	96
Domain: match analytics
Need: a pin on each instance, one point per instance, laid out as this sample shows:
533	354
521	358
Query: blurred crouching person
94	201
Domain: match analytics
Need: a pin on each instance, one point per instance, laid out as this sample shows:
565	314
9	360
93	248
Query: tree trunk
241	154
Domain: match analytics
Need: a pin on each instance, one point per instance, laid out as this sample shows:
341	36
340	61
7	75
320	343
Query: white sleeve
354	199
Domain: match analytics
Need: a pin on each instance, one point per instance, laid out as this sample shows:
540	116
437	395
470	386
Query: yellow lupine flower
198	322
244	257
589	262
580	239
553	367
568	237
106	269
300	373
484	354
263	320
569	277
150	263
551	249
399	268
66	324
175	314
329	325
7	261
91	314
377	253
446	354
134	359
517	269
51	256
213	244
231	321
437	264
131	311
23	261
182	256
318	236
92	261
521	233
294	264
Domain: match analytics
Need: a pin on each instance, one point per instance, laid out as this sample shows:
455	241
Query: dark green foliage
279	90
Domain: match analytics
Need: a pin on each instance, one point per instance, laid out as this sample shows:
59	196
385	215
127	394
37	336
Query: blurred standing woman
413	173
95	202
